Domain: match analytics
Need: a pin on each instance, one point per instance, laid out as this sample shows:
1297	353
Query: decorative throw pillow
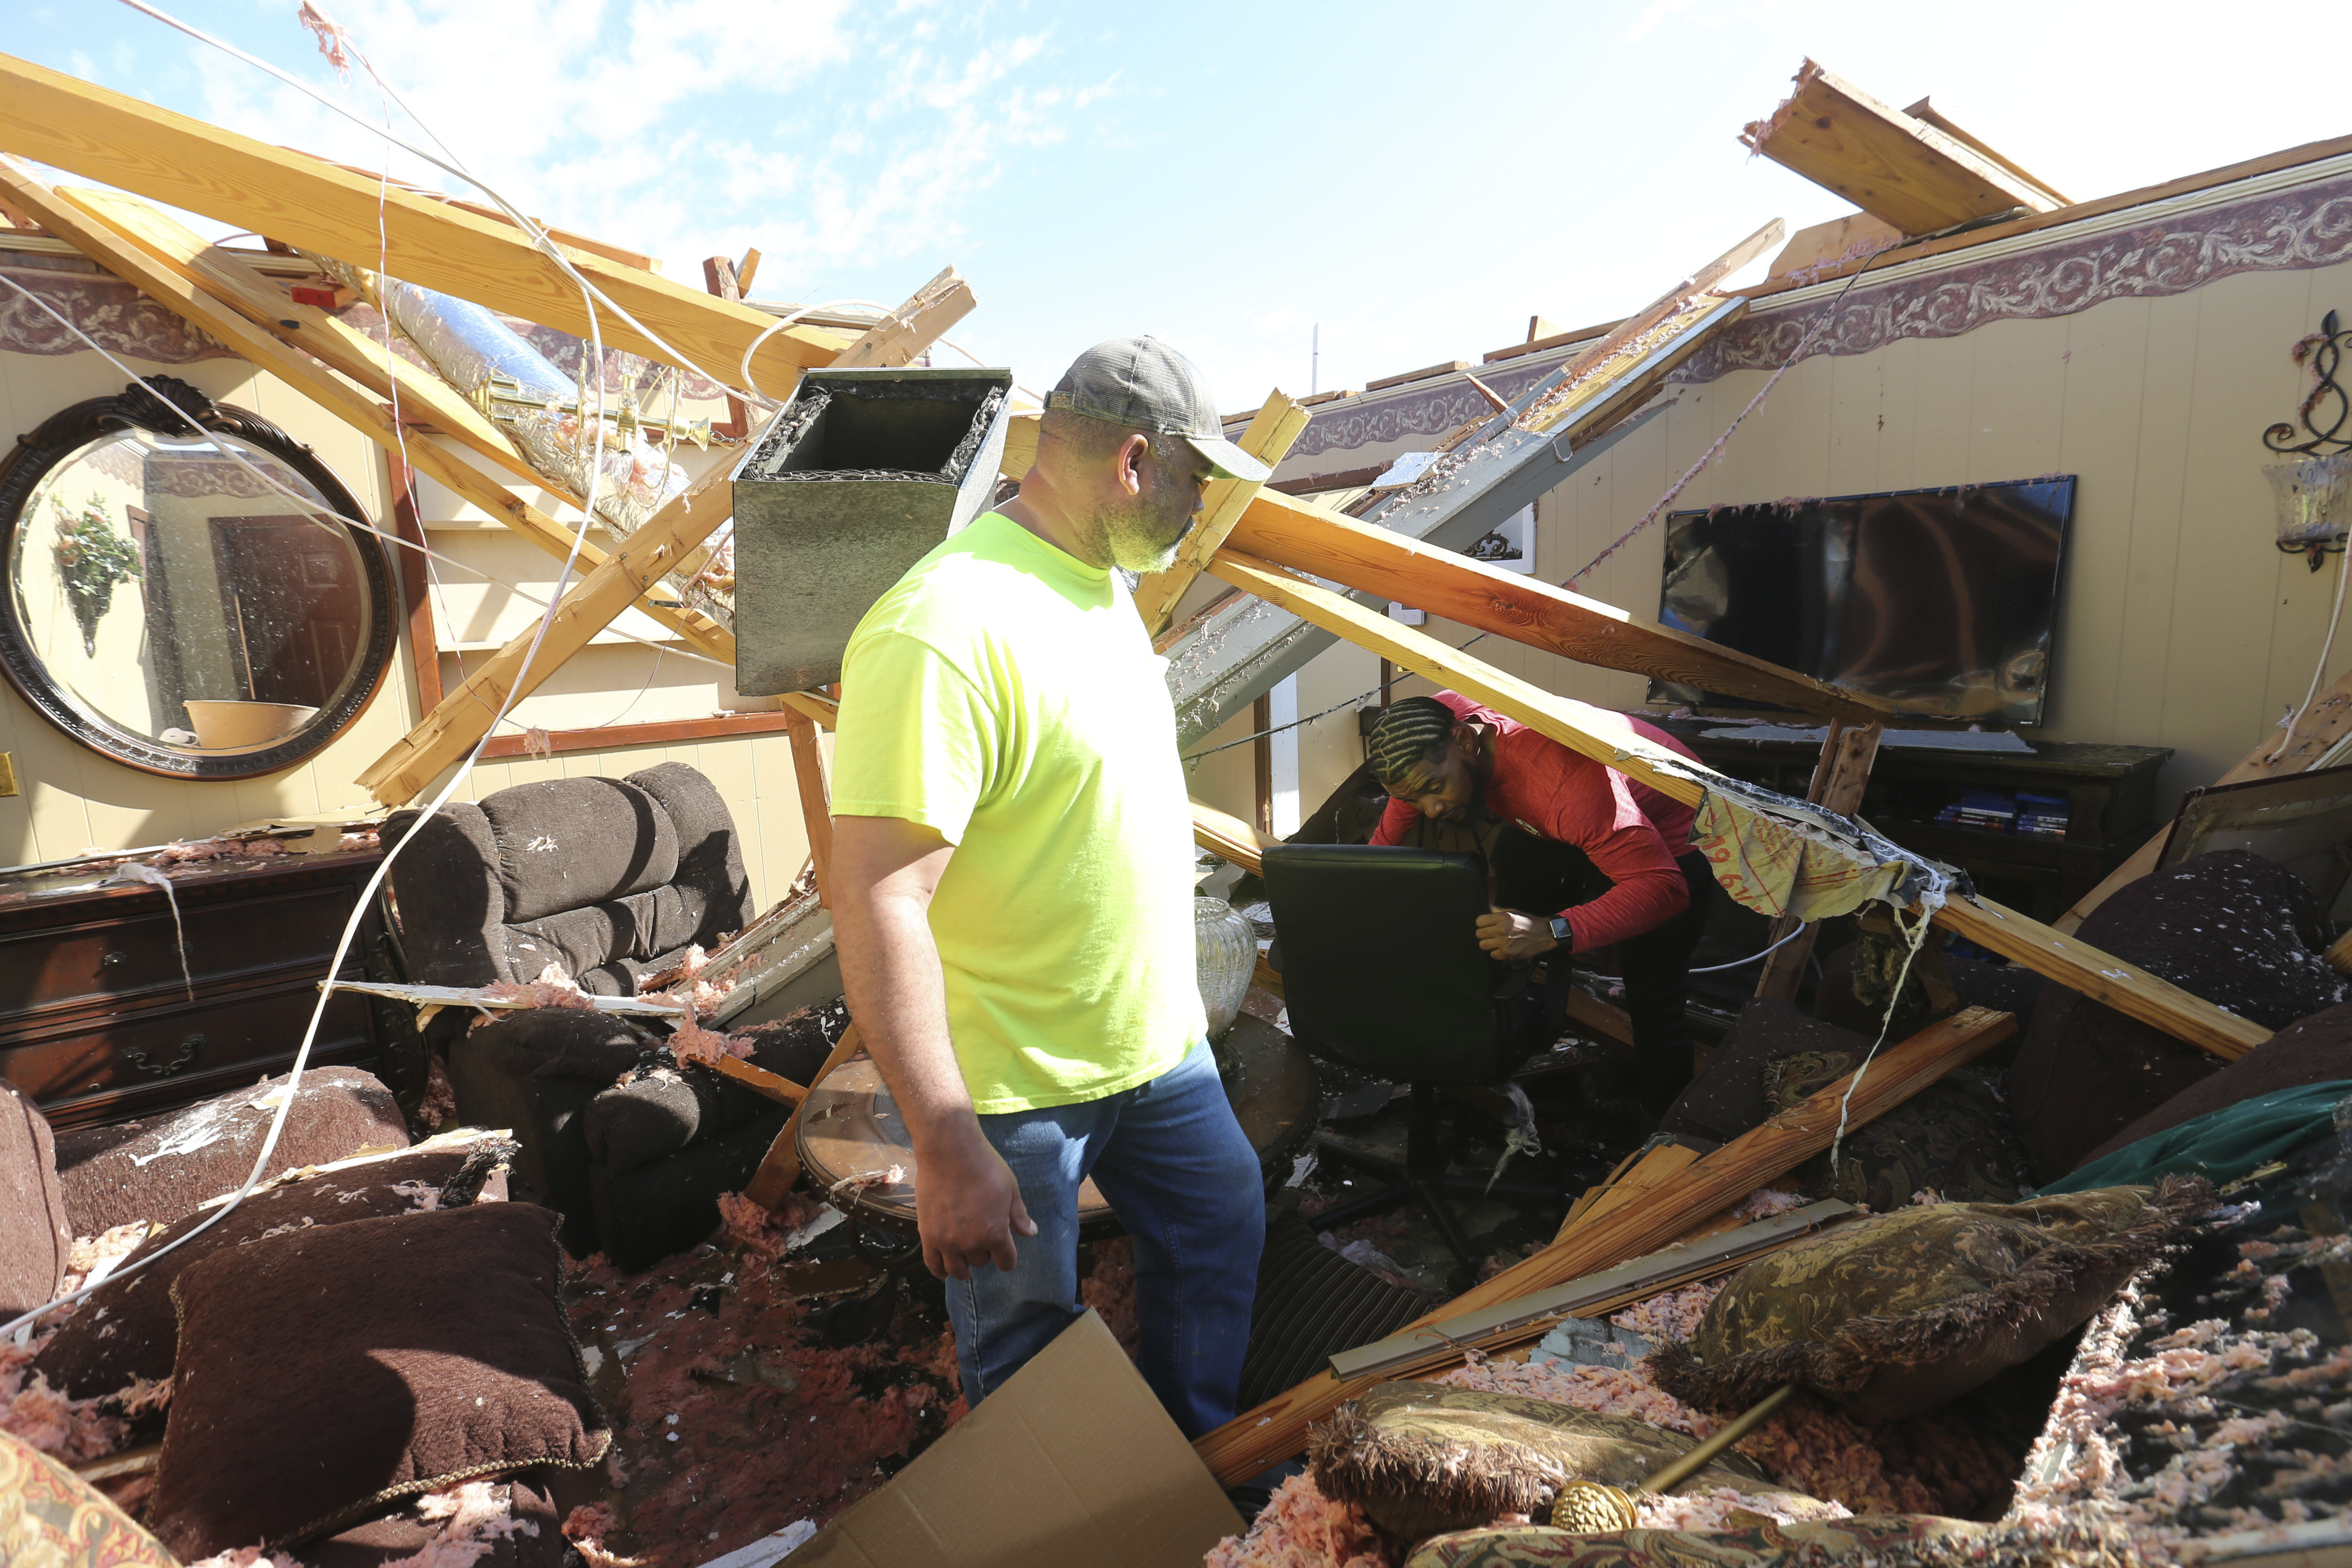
328	1371
170	1163
126	1330
35	1236
52	1518
1420	1458
1952	1138
1899	1312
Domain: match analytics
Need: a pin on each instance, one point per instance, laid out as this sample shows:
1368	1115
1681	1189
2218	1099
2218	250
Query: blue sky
1416	179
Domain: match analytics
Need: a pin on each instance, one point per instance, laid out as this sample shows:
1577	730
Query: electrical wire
1744	962
2319	670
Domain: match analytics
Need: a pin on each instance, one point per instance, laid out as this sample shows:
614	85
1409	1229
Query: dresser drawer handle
188	1049
115	959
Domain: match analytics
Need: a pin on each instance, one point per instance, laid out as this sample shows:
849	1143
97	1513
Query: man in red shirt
1447	760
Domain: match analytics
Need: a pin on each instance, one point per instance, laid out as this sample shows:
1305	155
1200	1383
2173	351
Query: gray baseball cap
1144	385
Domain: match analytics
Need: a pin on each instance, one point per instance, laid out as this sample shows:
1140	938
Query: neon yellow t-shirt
1004	694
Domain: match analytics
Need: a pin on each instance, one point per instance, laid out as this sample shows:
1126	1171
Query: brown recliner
611	880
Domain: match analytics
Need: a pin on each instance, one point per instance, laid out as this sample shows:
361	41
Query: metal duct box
852	483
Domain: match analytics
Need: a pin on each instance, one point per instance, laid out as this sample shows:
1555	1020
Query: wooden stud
720	277
1675	299
1274	429
131	260
317	207
815	783
1262	762
1652	1170
1610	739
1890	166
780	1166
1524	609
1276	1430
1843	772
416	587
760	1080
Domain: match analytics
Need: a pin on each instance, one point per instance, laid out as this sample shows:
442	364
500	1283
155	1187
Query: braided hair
1413	730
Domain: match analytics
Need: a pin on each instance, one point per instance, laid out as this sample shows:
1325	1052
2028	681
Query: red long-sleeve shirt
1631	832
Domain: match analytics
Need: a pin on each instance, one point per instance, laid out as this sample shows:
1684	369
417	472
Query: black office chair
1382	972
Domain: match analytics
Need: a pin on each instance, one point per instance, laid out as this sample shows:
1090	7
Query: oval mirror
174	599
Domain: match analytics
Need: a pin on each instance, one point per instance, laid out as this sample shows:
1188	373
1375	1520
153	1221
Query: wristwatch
1559	929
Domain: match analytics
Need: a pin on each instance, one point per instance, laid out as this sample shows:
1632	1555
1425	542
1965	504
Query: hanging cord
23	1323
2319	670
1522	1138
1744	962
1929	902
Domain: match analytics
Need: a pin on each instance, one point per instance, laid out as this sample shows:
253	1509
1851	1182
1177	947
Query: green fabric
2223	1144
1005	694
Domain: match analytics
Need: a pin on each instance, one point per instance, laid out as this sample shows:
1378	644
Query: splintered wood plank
1276	1430
781	1167
1654	1169
1228	837
208	280
1610	739
1272	432
1523	608
760	1080
316	205
1890	166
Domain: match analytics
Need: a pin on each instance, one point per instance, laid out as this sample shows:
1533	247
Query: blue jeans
1177	1170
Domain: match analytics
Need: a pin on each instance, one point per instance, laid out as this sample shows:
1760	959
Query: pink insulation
1301	1528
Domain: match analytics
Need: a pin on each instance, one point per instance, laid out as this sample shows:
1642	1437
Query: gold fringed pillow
1421	1458
1899	1312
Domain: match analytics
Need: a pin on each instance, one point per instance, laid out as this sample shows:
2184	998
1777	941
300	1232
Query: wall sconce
2314	491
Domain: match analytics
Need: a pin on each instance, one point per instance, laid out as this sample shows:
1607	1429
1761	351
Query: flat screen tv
1940	601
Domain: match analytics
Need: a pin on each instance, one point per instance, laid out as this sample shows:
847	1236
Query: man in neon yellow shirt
1012	892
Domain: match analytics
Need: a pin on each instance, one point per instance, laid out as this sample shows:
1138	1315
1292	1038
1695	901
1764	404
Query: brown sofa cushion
35	1234
1952	1138
172	1162
126	1330
526	1532
2317	1049
1419	1457
325	1373
1897	1313
48	1516
2243	933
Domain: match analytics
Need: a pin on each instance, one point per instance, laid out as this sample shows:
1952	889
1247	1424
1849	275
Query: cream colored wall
2180	625
72	798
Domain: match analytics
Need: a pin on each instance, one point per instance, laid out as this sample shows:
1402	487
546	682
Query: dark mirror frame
141	405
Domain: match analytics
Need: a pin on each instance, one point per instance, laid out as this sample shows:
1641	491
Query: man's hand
970	1207
1507	935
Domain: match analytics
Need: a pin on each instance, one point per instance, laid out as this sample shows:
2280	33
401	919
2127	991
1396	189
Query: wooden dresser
98	1022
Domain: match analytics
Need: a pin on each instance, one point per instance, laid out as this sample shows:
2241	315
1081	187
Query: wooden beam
308	330
1229	837
450	730
416	587
1020	443
1675	299
1839	781
815	782
1610	739
760	1080
1603	1018
1273	431
448	733
1524	609
780	1166
2327	720
719	277
1882	160
1928	115
2102	977
131	260
308	201
1276	1430
1652	1170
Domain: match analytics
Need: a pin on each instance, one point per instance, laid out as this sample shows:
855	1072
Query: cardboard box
1072	1464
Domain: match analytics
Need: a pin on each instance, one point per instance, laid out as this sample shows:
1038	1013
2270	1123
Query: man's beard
1140	534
